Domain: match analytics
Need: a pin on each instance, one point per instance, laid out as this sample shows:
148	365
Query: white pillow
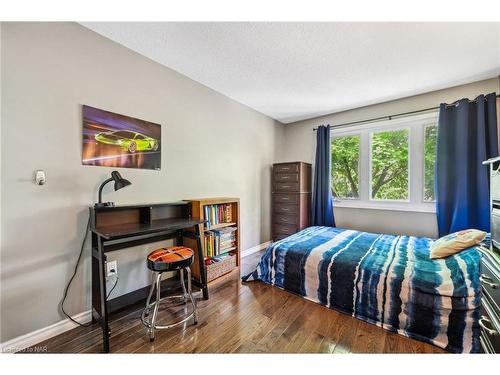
455	242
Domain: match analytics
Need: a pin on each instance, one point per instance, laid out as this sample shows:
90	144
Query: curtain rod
390	117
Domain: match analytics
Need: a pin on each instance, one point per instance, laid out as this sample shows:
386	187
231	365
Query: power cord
114	286
73	276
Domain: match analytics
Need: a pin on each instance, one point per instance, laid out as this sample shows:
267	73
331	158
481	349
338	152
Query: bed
386	280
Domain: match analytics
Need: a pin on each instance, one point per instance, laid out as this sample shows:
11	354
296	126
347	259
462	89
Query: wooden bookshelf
219	226
198	212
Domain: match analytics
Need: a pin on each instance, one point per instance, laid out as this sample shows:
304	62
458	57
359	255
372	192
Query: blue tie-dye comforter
382	279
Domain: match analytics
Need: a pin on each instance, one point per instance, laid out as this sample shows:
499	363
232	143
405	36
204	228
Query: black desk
119	227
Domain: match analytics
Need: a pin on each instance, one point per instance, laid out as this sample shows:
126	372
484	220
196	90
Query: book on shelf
217	214
220	241
218	258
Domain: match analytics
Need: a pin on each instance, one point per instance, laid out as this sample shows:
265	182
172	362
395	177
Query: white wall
300	145
48	71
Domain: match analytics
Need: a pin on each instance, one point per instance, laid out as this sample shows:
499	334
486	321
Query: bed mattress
387	280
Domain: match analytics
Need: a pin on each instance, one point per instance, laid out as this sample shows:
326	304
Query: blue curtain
467	135
322	210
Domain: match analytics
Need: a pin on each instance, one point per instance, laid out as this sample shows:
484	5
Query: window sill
386	206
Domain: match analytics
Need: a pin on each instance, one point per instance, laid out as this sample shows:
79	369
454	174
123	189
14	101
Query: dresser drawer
285	219
495	225
285	186
284	229
285	177
291	188
280	236
495	182
286	168
283	208
490	282
490	327
286	198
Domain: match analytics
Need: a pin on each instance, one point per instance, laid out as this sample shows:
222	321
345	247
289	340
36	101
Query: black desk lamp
120	182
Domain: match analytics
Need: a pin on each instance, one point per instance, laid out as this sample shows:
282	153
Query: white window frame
416	126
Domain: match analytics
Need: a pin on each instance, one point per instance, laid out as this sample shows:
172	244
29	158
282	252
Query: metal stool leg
184	293
193	300
155	310
149	319
151	290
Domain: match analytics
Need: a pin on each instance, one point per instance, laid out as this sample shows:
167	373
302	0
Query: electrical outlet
111	268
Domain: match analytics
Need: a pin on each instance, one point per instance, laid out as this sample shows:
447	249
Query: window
345	167
430	147
389	165
386	165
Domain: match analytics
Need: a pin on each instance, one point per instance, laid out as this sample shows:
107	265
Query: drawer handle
489	331
285	209
487	280
285	198
285	177
285	186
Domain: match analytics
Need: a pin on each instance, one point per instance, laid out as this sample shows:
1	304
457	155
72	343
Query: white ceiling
295	71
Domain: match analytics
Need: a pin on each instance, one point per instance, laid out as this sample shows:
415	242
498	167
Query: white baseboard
32	338
255	249
42	334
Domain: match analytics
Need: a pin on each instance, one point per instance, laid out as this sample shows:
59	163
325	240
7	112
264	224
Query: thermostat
40	177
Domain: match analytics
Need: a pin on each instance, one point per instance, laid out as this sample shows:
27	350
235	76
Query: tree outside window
381	175
389	165
345	167
430	147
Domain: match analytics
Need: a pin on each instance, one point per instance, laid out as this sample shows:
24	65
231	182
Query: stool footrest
150	312
179	296
167	326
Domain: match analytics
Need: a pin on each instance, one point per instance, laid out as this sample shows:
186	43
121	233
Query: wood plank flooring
244	318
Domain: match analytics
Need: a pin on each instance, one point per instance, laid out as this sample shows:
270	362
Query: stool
174	258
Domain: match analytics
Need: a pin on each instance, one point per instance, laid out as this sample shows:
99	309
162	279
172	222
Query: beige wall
48	71
300	145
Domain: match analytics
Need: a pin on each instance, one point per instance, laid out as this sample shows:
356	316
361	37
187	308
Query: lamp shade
120	182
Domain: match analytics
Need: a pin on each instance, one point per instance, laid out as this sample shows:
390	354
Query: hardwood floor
244	318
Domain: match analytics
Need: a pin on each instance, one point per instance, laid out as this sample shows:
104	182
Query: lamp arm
101	187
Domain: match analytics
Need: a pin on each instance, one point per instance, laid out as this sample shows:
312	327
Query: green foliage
390	165
430	147
389	168
345	166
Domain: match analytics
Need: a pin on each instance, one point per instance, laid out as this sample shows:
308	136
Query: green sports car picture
118	141
128	140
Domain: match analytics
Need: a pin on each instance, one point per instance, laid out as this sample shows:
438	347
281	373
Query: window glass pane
389	169
345	167
430	142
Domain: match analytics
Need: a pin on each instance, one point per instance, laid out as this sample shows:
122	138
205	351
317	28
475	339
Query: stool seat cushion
170	258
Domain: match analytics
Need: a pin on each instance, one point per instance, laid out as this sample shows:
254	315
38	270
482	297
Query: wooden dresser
291	198
490	270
